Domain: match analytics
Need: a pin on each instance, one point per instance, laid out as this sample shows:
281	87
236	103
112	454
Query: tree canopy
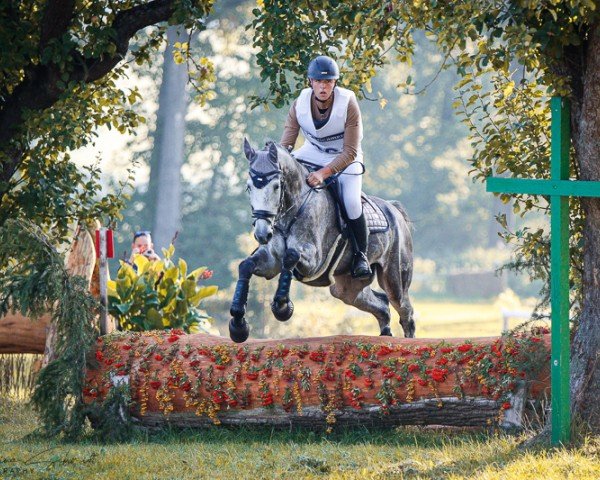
58	84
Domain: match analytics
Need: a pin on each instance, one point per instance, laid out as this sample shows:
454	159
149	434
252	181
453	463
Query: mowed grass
262	453
244	453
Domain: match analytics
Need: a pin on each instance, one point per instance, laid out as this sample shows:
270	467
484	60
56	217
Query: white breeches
349	189
349	186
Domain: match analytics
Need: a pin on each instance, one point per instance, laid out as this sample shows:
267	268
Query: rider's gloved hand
317	177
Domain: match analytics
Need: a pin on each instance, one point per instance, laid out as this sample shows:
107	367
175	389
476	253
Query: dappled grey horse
297	229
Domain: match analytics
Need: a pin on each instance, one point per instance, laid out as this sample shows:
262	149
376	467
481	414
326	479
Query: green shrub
159	295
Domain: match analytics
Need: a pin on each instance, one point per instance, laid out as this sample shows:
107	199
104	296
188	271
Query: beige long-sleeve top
351	132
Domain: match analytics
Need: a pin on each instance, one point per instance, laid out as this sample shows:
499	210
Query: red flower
536	339
439	374
350	374
206	274
173	338
155	384
195	362
317	356
506	405
384	350
368	382
252	375
126	347
99	355
413	367
220	367
465	347
267	399
422	382
158	357
364	354
109	361
387	372
405	352
446	349
186	387
218	397
119	365
442	361
232	402
241	355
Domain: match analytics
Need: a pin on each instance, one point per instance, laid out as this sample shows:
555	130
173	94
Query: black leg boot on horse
360	233
281	306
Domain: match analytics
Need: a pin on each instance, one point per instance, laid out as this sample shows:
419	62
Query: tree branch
57	17
40	89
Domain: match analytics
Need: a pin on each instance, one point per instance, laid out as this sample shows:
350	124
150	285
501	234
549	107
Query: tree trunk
169	142
199	379
585	368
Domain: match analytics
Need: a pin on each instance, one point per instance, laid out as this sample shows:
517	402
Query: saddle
377	222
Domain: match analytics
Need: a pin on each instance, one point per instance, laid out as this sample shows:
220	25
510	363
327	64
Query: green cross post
558	188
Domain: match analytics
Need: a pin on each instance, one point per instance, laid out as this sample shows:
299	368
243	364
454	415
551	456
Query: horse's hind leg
395	282
356	293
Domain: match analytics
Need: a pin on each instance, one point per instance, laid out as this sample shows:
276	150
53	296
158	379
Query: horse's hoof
386	332
239	333
282	311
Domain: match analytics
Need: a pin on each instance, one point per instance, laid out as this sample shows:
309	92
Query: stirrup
360	266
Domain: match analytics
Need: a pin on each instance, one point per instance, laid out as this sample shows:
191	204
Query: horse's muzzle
263	231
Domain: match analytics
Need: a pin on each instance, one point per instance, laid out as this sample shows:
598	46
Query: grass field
318	314
219	453
215	453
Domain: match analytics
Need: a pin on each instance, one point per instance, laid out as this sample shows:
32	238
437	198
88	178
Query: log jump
199	380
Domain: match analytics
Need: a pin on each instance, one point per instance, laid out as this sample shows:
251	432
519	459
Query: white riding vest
323	145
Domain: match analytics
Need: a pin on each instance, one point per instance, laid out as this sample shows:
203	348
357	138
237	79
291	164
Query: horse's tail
402	211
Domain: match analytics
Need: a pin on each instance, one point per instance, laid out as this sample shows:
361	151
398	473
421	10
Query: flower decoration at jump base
161	294
209	377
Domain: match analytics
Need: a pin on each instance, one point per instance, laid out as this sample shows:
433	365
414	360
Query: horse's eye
276	186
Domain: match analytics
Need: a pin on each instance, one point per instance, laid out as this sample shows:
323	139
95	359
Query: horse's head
265	188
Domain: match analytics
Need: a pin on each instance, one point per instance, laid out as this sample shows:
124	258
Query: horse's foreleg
239	330
281	306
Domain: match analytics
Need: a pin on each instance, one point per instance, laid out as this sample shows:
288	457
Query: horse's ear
273	152
248	150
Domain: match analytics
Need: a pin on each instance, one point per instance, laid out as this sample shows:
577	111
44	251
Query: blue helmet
323	68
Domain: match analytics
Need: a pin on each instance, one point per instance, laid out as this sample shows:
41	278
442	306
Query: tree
558	46
58	84
169	144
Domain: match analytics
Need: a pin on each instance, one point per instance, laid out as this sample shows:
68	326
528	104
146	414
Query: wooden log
20	334
198	380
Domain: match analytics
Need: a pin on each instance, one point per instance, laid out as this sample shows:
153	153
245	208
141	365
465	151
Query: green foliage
38	284
158	295
59	82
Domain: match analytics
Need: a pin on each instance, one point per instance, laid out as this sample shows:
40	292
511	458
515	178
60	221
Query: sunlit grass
257	453
316	313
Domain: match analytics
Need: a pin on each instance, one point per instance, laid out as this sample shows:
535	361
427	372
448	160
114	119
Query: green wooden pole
559	274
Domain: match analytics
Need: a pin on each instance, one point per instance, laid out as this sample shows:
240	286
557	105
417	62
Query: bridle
260	180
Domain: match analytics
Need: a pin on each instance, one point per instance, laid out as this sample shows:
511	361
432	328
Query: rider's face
322	88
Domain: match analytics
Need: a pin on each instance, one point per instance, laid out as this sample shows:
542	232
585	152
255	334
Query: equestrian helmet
323	68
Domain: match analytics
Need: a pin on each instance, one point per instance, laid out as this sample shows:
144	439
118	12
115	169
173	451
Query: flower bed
200	379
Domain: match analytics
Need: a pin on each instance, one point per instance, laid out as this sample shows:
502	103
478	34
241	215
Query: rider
330	120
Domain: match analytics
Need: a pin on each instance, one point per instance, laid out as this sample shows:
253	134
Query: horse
296	227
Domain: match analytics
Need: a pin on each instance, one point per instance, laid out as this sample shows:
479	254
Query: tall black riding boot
360	263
